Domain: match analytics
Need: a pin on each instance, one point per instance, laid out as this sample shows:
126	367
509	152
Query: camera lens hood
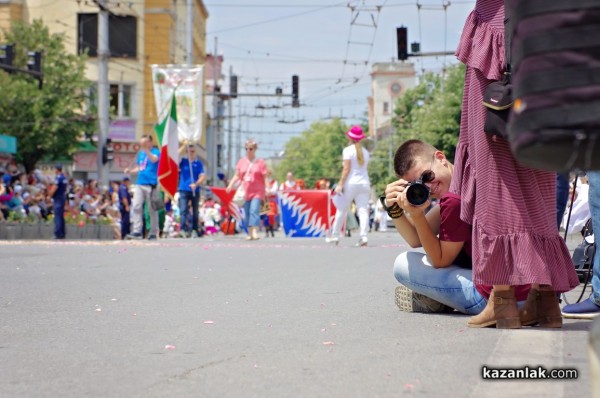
417	193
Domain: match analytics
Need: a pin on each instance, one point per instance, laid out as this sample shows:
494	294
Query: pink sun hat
355	133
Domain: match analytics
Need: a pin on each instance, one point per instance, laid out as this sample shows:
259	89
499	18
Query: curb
594	352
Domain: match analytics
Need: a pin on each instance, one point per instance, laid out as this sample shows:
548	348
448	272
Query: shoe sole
579	316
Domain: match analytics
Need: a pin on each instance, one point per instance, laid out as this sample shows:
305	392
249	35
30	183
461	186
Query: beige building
141	33
389	80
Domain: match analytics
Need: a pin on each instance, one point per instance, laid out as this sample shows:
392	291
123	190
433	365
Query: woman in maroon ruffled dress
511	207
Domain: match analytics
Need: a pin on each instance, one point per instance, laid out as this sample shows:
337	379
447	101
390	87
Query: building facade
389	81
141	33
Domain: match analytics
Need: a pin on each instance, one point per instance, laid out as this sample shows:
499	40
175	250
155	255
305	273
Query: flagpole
191	173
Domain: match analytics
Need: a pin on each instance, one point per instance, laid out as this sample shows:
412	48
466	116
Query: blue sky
267	41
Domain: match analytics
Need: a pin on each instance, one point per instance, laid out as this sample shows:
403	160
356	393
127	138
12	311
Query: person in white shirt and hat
354	185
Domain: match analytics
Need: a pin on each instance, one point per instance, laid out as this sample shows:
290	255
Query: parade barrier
44	231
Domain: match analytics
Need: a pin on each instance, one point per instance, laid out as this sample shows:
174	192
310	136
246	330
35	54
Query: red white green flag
168	169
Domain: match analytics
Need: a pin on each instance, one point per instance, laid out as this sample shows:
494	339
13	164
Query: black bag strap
557	79
507	40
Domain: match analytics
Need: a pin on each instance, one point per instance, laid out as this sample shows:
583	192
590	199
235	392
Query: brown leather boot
528	313
541	308
500	311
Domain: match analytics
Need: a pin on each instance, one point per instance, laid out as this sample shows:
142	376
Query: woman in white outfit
353	186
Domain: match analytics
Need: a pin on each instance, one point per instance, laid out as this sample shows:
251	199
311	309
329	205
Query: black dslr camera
417	193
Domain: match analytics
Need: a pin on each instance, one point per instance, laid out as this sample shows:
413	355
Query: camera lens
417	193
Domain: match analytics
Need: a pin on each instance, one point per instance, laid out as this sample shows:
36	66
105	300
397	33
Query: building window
122	35
119	101
386	108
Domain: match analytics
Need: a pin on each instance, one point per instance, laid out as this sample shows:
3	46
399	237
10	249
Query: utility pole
239	132
211	141
230	132
190	32
103	90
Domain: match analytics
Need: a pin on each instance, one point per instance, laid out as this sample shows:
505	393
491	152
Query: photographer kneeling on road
441	277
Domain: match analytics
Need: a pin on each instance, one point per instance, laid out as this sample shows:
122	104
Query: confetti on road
113	299
170	347
209	322
98	309
328	343
323	330
408	387
333	324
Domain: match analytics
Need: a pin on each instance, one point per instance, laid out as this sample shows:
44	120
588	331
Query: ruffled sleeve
481	47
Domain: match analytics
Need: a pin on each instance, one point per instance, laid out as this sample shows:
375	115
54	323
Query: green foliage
316	153
429	112
47	123
15	216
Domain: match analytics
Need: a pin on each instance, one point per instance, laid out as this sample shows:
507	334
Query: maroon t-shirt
453	229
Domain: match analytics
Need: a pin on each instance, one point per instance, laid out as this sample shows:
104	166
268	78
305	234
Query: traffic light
34	64
402	43
233	86
295	91
34	61
7	55
107	152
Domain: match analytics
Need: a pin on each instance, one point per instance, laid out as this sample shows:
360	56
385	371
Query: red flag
226	199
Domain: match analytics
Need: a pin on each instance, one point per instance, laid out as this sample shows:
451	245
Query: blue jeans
184	198
59	220
562	196
252	211
451	285
594	199
125	223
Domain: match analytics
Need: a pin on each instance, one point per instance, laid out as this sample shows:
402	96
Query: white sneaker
332	239
362	242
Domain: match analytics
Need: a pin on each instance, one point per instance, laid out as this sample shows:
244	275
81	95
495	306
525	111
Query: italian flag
168	169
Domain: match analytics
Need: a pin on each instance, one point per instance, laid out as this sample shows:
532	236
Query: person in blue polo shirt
146	185
125	207
58	193
191	176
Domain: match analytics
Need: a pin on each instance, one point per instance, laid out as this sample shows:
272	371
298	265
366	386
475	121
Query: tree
47	123
429	112
316	153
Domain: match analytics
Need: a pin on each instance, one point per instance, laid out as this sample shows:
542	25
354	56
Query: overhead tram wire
321	8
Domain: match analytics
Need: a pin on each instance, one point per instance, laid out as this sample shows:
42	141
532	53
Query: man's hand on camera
393	192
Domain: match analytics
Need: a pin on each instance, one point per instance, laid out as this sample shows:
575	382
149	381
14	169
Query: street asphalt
223	317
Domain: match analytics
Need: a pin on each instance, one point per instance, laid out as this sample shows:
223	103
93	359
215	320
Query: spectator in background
191	177
271	198
354	185
290	183
58	193
125	207
147	179
251	172
322	183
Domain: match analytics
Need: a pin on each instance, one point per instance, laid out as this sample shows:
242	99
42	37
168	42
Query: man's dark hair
408	153
148	136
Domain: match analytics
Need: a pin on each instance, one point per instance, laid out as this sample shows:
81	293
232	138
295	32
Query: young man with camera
441	277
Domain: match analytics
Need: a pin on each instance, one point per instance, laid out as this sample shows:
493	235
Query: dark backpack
583	255
555	120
